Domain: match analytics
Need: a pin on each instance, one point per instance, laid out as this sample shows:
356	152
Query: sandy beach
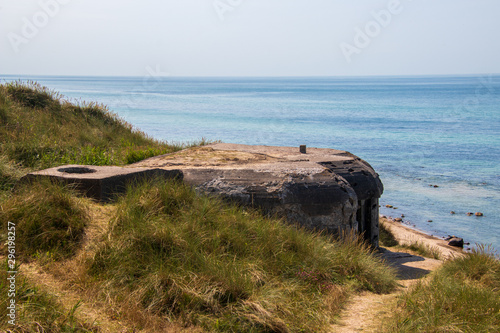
407	235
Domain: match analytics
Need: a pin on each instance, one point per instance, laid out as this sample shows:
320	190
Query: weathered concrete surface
101	183
325	189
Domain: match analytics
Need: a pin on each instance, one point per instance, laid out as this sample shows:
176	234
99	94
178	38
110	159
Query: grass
176	254
170	255
462	296
39	129
423	249
9	174
38	311
387	239
50	221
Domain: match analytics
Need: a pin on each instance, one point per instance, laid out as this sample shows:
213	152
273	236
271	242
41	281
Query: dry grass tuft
172	253
462	296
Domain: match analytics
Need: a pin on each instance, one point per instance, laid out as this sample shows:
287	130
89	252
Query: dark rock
398	219
457	242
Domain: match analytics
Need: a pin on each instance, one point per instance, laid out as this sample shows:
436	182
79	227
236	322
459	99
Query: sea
434	140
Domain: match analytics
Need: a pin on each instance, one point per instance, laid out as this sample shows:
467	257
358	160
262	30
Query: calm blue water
415	131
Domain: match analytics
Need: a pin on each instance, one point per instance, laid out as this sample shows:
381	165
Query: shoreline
407	235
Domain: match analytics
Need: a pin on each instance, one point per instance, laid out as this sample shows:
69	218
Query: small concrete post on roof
325	189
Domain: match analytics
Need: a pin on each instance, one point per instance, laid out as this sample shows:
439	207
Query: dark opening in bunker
78	170
363	215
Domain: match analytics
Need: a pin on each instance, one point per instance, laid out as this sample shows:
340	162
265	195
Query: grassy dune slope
462	296
38	129
183	255
165	254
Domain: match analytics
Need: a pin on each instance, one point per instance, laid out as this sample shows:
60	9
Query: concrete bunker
101	183
324	189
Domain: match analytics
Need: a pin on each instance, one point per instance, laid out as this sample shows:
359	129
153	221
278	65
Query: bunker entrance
367	217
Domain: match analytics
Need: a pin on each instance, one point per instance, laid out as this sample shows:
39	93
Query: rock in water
457	242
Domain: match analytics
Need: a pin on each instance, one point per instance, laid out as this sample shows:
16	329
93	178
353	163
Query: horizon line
251	76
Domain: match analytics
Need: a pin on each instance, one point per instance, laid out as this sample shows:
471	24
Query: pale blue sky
249	37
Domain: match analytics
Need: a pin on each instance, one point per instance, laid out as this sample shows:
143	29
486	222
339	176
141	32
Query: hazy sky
249	37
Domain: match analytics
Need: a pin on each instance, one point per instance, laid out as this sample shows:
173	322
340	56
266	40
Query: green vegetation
173	256
38	129
462	296
170	254
387	239
50	220
9	174
183	255
423	249
38	311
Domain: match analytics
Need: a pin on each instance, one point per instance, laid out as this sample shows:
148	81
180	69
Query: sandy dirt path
366	312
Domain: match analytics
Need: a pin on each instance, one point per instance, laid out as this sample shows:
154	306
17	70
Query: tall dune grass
177	254
462	296
50	221
39	129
